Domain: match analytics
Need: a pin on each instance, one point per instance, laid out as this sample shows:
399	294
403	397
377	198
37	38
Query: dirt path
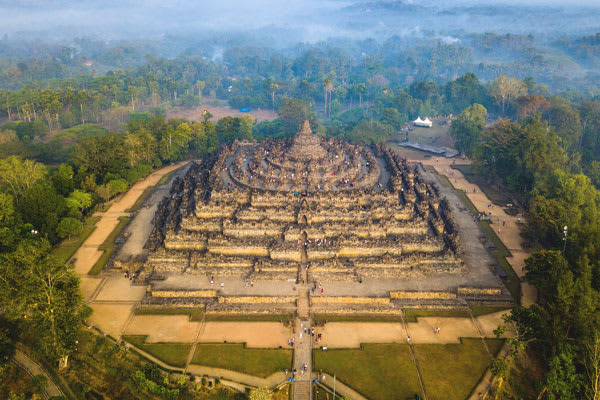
352	334
507	227
34	369
178	328
87	255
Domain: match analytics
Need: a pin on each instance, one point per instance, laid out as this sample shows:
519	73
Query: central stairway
302	388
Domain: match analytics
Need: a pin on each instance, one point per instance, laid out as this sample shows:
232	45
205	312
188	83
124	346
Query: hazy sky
318	19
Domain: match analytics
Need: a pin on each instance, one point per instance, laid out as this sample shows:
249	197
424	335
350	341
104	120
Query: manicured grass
195	314
285	318
164	179
65	249
138	203
437	135
494	238
411	314
496	197
109	246
379	371
174	354
512	282
478	311
451	371
468	203
236	357
97	268
321	319
110	239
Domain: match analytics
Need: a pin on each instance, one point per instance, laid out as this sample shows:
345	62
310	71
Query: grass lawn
409	154
141	199
195	314
378	371
437	135
452	371
65	249
478	310
236	357
412	314
174	354
108	246
321	319
497	197
285	318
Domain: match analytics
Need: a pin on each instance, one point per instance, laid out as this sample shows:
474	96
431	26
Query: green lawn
378	371
321	319
174	354
236	357
65	249
141	199
108	246
285	318
478	311
451	371
437	135
497	197
195	314
412	314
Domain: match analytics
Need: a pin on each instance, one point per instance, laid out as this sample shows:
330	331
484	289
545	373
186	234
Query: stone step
302	390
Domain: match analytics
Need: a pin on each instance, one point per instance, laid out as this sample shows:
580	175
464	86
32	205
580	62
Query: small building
426	123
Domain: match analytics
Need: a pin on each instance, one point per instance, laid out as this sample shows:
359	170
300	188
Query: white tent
423	123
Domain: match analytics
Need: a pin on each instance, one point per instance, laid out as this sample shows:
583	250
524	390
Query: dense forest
83	122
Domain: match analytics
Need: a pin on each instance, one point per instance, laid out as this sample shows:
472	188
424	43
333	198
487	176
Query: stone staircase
303	305
302	388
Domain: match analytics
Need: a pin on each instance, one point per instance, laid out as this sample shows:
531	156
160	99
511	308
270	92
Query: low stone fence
256	299
472	291
423	295
184	293
349	300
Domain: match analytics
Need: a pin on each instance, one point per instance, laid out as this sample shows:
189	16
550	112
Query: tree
79	200
19	175
9	223
42	207
63	179
505	89
467	128
293	112
68	227
592	367
563	382
46	293
7	349
206	115
261	394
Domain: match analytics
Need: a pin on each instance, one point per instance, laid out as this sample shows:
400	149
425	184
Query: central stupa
306	146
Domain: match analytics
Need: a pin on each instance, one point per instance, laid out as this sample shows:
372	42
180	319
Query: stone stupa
306	146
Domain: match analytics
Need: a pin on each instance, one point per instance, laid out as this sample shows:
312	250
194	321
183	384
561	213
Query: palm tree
326	83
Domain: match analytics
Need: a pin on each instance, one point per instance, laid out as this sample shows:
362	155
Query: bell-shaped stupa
306	146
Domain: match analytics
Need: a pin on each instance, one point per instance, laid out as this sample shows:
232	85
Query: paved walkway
111	296
87	255
34	369
302	388
507	227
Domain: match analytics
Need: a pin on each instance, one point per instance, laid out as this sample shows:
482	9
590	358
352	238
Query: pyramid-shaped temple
281	215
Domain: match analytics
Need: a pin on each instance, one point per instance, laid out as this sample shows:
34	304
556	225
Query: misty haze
307	200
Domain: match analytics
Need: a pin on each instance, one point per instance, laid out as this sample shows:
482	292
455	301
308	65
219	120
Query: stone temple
366	232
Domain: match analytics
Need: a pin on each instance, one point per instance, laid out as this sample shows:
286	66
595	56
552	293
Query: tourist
222	285
408	340
212	280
